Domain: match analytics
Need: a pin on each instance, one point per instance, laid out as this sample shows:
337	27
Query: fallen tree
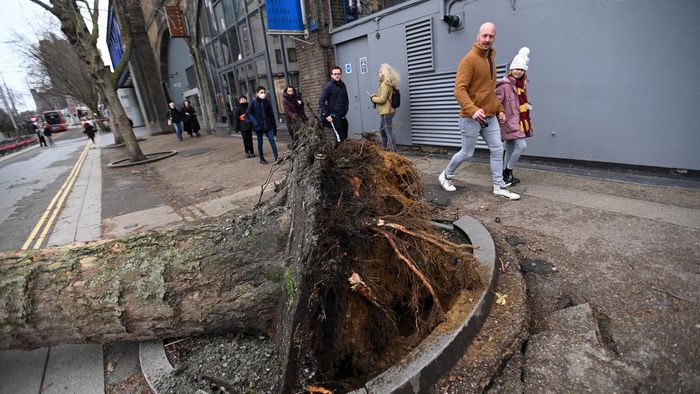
341	267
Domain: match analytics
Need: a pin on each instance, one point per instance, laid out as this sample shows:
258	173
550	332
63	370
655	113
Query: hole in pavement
604	332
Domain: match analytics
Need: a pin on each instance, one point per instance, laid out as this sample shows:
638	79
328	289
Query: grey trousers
470	130
514	148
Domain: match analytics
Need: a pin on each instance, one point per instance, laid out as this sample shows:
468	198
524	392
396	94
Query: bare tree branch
44	6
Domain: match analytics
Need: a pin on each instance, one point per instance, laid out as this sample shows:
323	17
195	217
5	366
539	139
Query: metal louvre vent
419	46
434	110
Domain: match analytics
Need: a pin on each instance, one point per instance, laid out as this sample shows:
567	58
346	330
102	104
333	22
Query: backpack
395	98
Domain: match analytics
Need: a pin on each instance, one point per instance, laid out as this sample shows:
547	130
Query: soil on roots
385	275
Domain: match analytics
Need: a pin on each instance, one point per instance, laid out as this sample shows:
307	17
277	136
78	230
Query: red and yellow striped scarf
523	106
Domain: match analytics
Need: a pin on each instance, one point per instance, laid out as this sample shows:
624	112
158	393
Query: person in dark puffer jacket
334	104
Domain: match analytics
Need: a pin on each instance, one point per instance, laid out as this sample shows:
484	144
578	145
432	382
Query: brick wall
315	59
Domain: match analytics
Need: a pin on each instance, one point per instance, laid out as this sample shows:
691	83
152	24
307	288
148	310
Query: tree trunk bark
180	283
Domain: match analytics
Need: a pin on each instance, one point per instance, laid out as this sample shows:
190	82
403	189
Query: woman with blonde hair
388	82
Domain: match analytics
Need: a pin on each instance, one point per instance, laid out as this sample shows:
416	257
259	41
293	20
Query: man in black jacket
333	104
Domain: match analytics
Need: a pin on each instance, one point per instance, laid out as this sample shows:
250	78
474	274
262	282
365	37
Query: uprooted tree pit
342	268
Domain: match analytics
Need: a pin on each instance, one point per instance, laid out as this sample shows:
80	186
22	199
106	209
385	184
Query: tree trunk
178	283
341	268
85	44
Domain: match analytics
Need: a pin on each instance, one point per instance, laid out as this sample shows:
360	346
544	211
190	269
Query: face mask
262	96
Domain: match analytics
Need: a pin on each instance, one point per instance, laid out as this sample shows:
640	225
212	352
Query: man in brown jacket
475	91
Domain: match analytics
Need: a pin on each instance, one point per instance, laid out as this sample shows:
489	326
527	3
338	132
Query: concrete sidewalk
619	247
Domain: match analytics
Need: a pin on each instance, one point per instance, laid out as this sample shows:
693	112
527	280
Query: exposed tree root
412	266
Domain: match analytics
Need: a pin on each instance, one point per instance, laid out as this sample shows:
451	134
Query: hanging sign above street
176	23
284	16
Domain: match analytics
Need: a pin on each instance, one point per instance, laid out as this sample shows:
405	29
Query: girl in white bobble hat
512	91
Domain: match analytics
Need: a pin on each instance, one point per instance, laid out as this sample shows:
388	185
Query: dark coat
47	131
239	125
260	114
175	115
334	99
89	130
189	118
294	111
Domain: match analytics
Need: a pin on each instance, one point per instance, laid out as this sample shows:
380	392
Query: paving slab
74	369
21	371
158	218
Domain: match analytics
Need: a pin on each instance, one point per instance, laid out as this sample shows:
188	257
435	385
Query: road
41	189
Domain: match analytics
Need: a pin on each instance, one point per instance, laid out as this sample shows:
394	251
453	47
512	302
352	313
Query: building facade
610	81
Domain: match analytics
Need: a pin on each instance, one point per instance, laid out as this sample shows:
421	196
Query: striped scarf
523	106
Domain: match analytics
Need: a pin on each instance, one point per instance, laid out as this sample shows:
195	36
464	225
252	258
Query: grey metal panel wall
610	80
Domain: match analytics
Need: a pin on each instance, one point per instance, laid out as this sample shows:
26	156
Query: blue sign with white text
284	15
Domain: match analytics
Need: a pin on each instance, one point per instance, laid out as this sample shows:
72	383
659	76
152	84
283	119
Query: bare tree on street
84	41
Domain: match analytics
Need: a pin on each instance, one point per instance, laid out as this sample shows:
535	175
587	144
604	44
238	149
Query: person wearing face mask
334	104
260	114
175	119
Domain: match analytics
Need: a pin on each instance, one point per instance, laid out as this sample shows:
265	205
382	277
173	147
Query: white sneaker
446	183
505	193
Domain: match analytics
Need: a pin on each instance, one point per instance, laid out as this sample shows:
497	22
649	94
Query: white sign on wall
348	68
363	65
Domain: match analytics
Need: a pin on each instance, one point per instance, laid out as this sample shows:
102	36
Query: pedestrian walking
189	119
260	114
334	104
39	135
48	132
512	92
475	91
294	110
388	82
175	119
243	126
89	130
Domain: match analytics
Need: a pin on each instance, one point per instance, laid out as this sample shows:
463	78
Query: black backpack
396	98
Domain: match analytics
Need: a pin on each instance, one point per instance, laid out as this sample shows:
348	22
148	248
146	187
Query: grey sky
24	17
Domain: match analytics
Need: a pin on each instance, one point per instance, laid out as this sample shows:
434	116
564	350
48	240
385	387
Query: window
256	31
345	11
229	11
278	56
233	41
239	7
292	55
219	14
245	39
205	36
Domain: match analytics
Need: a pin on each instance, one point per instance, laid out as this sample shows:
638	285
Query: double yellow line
56	204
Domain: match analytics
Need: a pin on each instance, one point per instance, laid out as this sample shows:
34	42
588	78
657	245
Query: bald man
475	91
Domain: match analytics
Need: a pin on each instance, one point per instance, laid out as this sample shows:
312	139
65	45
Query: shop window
345	11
